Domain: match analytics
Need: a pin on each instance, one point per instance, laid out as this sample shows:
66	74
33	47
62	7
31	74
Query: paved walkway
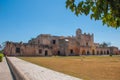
5	73
35	72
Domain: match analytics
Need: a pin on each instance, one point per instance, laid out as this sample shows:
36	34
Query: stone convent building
48	45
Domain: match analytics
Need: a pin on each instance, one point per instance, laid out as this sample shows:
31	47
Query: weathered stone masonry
47	45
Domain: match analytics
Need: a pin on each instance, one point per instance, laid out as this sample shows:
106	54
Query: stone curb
17	73
23	70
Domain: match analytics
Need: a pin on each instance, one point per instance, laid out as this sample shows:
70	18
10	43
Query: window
40	51
38	41
54	41
87	44
17	50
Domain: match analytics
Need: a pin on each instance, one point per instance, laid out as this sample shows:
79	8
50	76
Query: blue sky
21	20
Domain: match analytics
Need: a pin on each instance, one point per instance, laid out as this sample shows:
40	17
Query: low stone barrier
18	74
23	70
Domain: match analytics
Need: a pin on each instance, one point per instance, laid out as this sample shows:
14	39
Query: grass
87	67
1	57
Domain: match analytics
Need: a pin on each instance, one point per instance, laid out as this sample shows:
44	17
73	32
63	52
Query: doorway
93	52
58	53
46	53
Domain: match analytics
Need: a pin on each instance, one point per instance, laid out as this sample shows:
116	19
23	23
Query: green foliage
1	51
106	10
1	57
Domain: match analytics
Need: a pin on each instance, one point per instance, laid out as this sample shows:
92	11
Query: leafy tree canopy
106	10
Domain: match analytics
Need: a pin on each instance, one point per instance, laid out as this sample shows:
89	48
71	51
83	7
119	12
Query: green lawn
85	67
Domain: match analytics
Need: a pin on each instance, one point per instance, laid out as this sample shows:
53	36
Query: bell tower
78	33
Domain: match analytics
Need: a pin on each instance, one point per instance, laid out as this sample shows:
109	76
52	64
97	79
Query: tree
4	44
0	46
106	10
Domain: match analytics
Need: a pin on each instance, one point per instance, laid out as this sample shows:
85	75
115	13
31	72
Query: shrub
1	57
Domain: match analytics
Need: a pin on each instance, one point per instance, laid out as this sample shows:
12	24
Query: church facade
48	45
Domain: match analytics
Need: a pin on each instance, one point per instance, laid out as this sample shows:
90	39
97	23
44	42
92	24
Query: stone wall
47	45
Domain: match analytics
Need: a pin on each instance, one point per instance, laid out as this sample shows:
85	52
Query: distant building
47	45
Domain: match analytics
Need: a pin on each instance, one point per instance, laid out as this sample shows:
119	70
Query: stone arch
97	52
88	52
93	52
83	52
101	52
108	52
104	52
76	51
